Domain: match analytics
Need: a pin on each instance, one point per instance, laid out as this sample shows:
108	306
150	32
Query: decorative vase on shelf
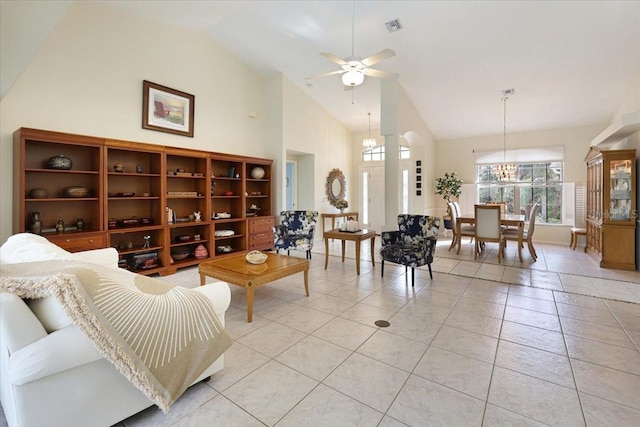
36	223
80	224
61	162
201	252
60	226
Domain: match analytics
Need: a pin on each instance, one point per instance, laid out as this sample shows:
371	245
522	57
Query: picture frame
167	110
418	192
418	170
418	178
418	162
418	185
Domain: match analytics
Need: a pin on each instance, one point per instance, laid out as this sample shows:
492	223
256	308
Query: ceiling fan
355	68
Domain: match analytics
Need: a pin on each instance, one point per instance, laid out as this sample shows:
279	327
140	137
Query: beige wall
87	79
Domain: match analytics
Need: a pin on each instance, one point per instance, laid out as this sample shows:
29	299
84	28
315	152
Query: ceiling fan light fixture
352	78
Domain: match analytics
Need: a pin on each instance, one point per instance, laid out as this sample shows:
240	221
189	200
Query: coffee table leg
326	252
358	242
249	304
344	243
373	243
306	282
202	279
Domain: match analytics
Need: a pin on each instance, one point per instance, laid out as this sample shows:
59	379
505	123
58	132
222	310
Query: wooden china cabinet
611	207
139	198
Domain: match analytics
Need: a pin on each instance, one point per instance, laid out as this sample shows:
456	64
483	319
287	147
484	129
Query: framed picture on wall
418	192
418	162
419	178
419	185
167	110
418	170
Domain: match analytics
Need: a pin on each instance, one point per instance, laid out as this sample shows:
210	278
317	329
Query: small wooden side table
357	237
333	217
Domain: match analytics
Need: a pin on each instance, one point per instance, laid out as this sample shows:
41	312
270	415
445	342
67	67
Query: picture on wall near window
418	170
167	110
419	178
418	192
419	185
418	162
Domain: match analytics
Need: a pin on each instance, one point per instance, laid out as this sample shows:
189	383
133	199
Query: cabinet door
620	188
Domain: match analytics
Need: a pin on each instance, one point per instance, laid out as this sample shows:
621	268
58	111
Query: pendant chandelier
369	143
505	171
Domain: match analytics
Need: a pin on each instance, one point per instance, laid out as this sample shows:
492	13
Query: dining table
506	220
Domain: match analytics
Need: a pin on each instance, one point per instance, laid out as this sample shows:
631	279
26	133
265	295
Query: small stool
575	232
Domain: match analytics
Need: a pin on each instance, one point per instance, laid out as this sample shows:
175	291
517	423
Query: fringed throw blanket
160	336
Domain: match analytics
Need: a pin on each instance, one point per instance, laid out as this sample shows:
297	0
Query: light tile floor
552	342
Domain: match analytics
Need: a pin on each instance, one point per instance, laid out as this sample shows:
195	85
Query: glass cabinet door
620	190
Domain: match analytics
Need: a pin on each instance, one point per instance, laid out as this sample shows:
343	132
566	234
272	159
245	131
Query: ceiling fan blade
378	73
377	57
332	57
330	73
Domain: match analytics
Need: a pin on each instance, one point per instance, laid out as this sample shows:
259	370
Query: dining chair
488	229
527	235
457	206
465	229
503	206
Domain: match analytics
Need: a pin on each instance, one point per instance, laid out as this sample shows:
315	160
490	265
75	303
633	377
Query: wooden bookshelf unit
157	205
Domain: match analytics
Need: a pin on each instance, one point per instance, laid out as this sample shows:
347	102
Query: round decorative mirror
336	186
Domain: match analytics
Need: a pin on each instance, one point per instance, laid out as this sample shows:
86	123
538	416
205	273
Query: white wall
87	79
308	128
458	156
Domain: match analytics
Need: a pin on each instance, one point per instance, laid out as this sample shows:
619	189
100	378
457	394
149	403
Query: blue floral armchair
295	231
413	245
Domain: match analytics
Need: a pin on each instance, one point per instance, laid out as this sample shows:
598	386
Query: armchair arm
390	237
279	231
429	245
312	230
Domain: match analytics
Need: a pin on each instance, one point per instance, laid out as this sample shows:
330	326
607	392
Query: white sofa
50	374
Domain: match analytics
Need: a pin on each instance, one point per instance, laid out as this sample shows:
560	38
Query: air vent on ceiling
393	26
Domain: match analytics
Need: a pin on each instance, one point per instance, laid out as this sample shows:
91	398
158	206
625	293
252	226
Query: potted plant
448	186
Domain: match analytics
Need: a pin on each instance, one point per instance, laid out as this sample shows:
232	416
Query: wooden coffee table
236	270
357	237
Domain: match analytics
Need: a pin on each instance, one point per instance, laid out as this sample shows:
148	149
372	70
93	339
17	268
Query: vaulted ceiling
570	62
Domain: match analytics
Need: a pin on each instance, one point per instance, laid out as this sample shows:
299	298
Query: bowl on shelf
38	193
256	257
75	191
182	238
179	254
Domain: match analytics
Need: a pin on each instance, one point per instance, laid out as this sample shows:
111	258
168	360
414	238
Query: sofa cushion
28	247
49	312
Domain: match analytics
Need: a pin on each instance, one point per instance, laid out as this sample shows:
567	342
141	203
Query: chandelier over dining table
505	171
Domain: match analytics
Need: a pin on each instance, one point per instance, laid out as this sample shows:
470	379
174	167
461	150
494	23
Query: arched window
376	153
